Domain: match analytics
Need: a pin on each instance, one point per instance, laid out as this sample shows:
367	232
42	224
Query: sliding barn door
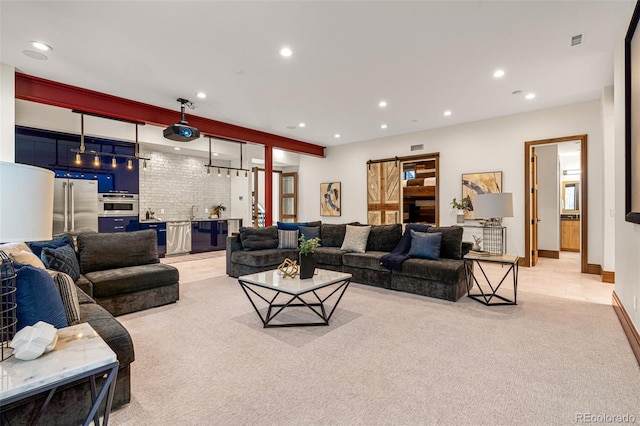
383	193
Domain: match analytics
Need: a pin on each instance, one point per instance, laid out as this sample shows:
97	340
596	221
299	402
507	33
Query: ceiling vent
576	40
417	147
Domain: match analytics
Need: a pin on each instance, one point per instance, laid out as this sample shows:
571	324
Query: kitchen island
197	235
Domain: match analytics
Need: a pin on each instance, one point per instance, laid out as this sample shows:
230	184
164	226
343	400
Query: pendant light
96	161
78	159
114	162
130	164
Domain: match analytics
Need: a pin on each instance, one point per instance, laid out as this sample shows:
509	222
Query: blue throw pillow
62	259
309	232
286	226
38	298
425	245
37	246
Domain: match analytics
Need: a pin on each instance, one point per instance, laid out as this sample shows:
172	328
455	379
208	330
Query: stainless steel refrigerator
75	205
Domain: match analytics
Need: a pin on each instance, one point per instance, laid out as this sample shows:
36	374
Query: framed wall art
632	120
330	194
479	183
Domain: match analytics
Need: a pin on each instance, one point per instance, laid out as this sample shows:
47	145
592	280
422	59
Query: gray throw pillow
355	239
287	239
61	259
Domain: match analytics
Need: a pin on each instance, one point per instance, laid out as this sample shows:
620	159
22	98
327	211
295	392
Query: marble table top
276	281
79	349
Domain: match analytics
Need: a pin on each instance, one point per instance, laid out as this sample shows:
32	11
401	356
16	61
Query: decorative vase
460	216
307	266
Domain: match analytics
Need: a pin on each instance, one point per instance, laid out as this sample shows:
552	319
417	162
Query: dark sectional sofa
120	273
123	273
443	278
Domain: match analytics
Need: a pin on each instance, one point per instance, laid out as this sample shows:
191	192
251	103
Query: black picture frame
632	139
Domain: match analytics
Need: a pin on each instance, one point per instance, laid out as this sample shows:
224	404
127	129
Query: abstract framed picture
330	194
479	183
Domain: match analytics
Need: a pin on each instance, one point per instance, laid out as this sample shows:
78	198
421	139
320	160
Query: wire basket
8	305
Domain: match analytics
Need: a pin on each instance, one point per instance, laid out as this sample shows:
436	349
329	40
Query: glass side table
80	353
486	297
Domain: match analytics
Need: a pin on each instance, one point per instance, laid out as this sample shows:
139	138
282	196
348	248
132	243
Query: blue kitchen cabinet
208	235
161	231
202	236
118	224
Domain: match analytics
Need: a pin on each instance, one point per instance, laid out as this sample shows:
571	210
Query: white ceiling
421	57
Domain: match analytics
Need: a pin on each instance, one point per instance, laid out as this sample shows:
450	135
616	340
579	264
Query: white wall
627	235
7	113
489	145
609	160
548	198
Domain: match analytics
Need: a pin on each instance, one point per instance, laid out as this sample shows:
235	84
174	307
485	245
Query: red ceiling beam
49	92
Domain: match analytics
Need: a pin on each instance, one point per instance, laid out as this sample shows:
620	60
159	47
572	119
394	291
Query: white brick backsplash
176	182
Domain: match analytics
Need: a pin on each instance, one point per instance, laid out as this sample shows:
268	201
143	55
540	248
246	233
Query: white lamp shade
489	206
26	203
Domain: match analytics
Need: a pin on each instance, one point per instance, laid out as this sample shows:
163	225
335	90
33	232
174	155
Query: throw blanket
393	260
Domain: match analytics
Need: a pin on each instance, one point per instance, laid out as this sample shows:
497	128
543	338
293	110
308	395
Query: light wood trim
608	277
584	190
630	330
551	254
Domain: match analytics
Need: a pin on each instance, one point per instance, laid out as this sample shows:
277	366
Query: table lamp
492	207
26	214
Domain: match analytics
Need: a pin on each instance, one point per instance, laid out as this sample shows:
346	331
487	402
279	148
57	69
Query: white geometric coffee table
293	292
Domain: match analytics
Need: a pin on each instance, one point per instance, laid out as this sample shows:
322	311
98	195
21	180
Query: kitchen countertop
203	219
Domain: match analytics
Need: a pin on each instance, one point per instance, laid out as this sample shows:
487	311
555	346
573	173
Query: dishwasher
178	237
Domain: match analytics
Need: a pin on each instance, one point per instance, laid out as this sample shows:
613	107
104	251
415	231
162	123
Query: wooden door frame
254	210
584	191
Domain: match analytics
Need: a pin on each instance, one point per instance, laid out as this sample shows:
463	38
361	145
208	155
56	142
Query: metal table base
486	297
295	300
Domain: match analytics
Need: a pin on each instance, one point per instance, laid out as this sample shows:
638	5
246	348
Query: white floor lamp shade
26	203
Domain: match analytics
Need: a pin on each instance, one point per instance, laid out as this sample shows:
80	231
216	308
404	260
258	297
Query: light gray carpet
386	358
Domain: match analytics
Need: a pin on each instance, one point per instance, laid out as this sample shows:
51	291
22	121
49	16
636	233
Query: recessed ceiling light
382	104
215	154
176	148
447	113
337	135
286	52
302	125
498	73
201	95
530	96
41	46
383	126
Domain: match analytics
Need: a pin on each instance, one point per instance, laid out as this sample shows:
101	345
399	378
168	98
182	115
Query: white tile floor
553	277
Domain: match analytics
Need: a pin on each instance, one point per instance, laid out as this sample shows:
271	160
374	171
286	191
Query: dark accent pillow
99	252
259	238
384	237
286	226
37	246
287	239
425	245
315	223
62	259
309	232
38	298
451	246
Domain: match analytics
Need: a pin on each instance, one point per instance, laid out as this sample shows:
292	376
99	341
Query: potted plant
217	210
461	206
307	261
